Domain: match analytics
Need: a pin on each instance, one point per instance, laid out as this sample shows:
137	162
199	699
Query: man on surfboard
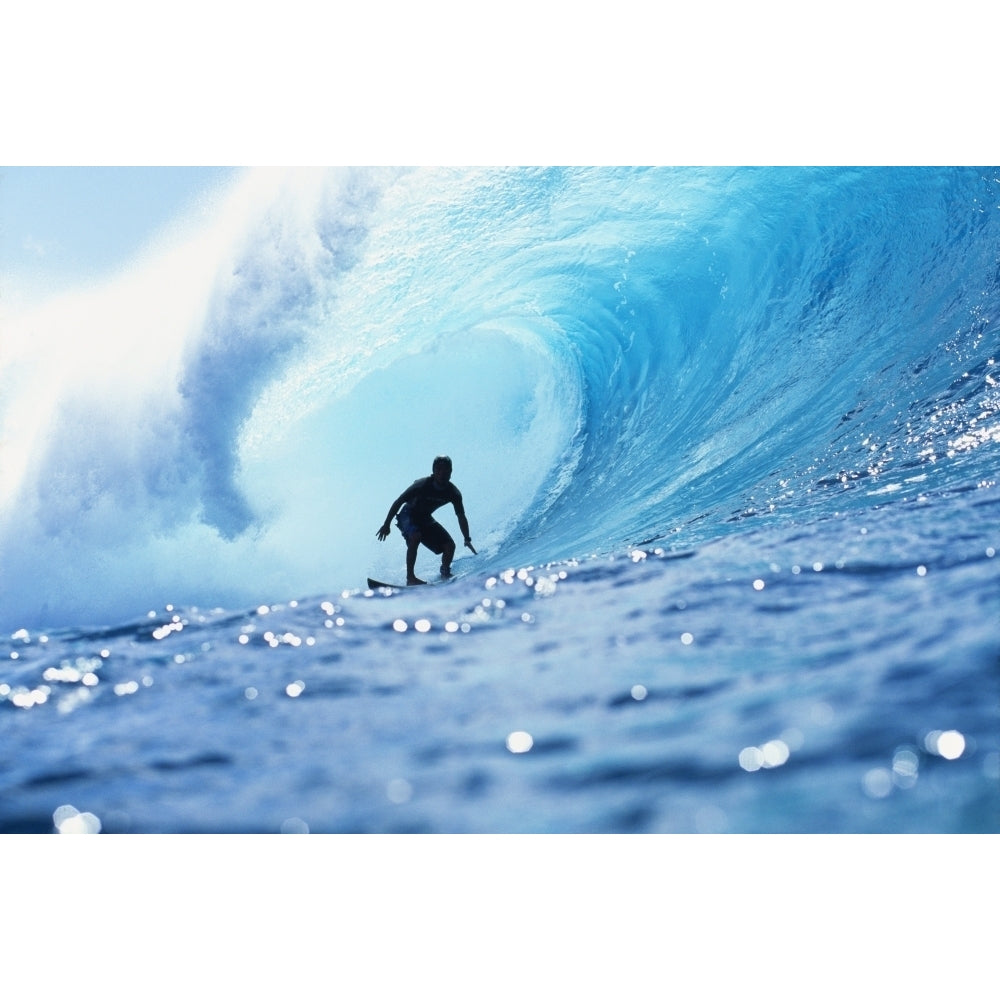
416	506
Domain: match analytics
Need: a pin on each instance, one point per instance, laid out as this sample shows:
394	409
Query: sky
61	227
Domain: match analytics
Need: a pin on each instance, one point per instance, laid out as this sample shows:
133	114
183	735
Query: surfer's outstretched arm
383	533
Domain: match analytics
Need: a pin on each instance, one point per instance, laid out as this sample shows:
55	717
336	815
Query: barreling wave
611	357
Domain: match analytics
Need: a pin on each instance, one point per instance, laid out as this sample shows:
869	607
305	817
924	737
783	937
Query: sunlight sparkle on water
949	744
773	753
66	674
69	819
23	698
519	742
175	625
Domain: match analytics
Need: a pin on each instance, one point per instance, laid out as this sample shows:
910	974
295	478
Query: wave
611	356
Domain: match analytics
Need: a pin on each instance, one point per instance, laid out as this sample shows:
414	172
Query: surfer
415	507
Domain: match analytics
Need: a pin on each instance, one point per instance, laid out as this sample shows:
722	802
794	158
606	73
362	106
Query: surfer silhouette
416	506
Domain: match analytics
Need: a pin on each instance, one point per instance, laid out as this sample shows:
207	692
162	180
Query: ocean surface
728	441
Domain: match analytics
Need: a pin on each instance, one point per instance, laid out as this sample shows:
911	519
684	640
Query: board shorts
432	534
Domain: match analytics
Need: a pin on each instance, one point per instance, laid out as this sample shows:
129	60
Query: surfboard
379	584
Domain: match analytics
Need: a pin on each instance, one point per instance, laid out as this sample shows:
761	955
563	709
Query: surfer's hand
468	545
383	532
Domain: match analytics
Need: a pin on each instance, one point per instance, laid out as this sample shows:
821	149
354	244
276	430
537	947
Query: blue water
728	442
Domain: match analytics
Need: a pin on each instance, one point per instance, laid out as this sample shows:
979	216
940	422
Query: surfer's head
441	468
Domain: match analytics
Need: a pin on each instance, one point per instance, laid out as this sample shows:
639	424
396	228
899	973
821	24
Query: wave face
612	357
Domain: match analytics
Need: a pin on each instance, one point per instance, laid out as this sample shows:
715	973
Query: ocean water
728	441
